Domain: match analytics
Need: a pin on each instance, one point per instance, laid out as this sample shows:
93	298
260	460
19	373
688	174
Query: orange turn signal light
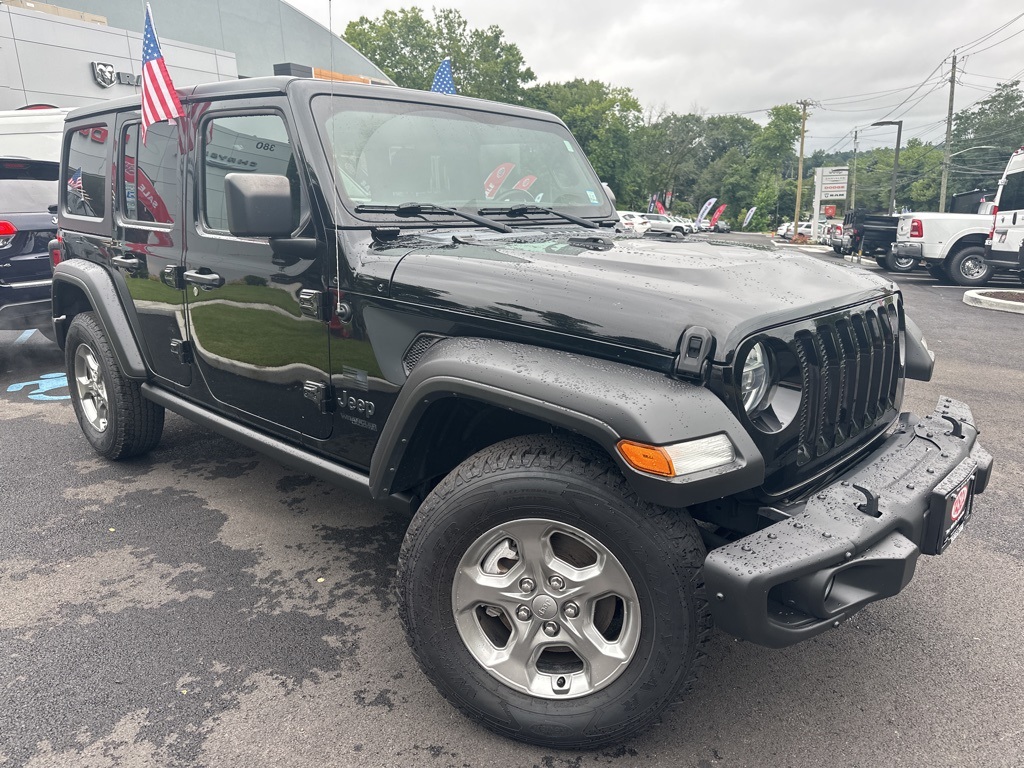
646	458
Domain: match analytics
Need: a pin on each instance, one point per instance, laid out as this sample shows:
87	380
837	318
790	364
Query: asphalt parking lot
204	606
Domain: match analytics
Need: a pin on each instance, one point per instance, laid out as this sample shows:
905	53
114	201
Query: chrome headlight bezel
755	379
771	405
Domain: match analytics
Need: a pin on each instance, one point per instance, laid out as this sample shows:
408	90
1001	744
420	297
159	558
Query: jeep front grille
846	369
850	366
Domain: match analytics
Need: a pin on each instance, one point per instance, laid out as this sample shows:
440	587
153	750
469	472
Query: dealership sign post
829	184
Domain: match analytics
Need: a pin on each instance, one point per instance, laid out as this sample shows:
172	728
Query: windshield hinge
694	350
320	394
314	304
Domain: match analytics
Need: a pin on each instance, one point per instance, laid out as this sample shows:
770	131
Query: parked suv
662	223
607	443
29	151
28	189
1004	249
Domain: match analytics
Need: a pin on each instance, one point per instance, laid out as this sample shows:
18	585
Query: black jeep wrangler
608	444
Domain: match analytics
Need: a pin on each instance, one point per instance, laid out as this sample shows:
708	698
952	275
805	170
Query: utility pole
800	167
949	138
853	181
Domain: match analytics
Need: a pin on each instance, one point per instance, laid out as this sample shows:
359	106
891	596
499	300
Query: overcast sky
740	56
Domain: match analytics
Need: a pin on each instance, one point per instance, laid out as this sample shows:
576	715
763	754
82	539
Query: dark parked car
28	190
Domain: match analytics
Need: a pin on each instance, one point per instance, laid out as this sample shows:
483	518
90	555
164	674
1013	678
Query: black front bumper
853	542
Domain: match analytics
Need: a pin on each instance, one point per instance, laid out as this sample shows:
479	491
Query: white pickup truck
952	245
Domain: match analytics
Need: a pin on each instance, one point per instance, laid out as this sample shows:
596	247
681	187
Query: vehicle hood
637	292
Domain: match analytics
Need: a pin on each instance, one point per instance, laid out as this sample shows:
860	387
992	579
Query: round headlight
755	381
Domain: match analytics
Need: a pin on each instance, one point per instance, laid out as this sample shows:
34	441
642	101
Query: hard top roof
281	85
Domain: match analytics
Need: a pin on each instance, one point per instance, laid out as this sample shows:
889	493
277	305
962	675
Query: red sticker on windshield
497	177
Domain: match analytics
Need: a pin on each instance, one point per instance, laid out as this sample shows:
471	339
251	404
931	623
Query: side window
1012	196
149	192
244	144
86	187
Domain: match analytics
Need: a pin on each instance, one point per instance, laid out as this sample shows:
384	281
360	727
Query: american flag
159	100
443	82
75	180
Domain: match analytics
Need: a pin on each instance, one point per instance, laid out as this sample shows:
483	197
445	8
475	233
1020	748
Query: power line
967	48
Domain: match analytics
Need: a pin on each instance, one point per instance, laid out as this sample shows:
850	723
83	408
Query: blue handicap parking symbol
43	385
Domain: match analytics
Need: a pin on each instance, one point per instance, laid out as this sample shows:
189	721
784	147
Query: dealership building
85	51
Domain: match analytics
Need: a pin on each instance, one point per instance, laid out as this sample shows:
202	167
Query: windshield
386	153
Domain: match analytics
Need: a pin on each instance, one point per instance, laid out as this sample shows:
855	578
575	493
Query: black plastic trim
919	361
286	453
862	534
94	281
604	401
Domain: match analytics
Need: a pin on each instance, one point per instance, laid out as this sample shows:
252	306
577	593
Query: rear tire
117	420
538	530
967	267
895	263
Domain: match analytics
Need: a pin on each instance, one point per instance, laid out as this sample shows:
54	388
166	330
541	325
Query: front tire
114	416
967	267
545	600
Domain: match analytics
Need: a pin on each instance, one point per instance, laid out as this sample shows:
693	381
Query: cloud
739	56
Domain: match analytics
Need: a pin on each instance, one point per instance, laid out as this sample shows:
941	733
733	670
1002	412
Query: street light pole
895	160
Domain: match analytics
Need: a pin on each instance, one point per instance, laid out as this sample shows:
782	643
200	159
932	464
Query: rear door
261	357
148	241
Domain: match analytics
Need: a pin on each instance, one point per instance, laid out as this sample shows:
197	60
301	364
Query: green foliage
729	157
604	121
408	47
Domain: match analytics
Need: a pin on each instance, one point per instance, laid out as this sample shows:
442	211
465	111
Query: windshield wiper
424	209
522	209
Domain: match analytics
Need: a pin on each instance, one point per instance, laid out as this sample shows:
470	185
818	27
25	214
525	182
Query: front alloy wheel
545	600
546	608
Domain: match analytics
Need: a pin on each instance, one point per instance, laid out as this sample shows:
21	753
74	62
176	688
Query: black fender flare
602	400
78	275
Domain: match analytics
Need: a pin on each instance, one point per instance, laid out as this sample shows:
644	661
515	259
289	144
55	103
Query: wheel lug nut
556	582
527	585
571	610
551	628
523	613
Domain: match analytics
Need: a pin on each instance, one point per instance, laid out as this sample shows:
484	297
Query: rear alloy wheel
895	263
114	416
967	267
545	600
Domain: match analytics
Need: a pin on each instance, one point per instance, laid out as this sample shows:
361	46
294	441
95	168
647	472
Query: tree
604	121
408	48
995	121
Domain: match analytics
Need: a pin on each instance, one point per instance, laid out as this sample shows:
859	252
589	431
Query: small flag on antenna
443	82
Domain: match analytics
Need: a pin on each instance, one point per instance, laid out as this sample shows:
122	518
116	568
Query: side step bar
286	453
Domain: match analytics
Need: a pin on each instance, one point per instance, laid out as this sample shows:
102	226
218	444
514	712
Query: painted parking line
25	336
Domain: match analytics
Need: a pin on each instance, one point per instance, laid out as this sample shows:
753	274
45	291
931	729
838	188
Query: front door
259	355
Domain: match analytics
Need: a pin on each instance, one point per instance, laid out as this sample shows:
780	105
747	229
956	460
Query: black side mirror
258	205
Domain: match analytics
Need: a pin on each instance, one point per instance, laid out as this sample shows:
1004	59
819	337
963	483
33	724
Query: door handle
204	279
128	262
